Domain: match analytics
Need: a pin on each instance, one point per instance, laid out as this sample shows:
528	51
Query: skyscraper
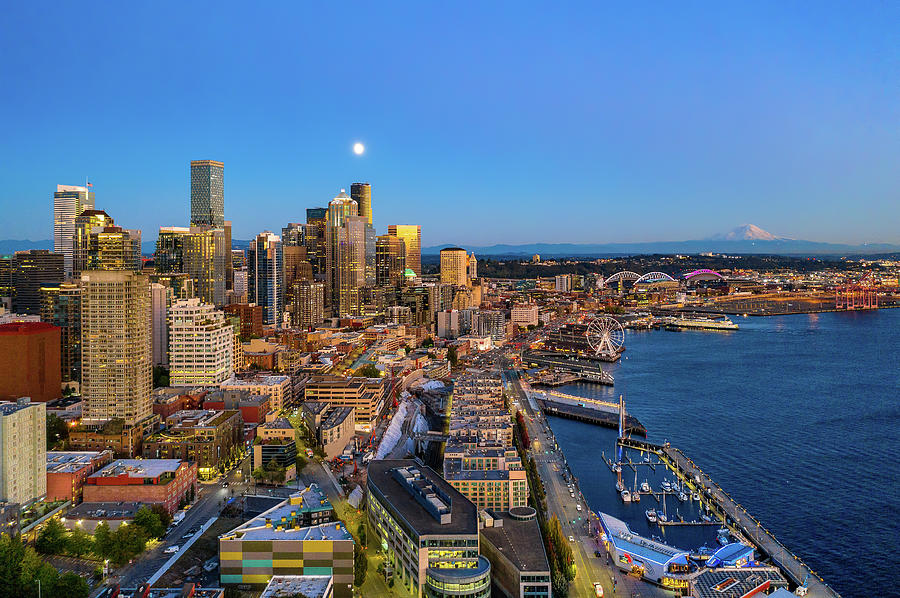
207	193
292	235
361	193
160	299
116	360
169	256
32	270
412	238
265	276
308	304
454	266
86	222
114	248
345	241
68	202
315	240
200	344
205	258
390	260
61	306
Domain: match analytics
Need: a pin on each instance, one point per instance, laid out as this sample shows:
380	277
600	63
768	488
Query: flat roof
309	500
104	510
138	468
333	530
336	417
463	514
288	586
519	540
69	461
734	581
625	540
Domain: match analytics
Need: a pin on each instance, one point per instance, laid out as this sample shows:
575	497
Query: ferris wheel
605	335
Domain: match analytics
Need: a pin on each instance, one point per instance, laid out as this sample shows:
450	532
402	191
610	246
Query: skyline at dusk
497	126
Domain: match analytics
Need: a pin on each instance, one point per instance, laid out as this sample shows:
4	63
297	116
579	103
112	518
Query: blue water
797	417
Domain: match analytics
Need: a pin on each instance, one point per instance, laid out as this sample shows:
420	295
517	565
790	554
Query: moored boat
626	496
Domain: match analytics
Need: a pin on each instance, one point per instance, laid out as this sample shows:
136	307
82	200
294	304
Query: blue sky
484	122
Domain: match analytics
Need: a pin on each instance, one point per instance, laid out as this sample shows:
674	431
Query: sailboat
635	495
661	516
645	486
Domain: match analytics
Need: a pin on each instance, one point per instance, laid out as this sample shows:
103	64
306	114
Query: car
187	535
578	507
224	484
571	538
598	589
171	550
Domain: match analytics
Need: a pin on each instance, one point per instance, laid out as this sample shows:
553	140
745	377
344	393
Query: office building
7	288
365	395
207	193
448	323
265	276
111	248
29	361
308	304
115	359
361	193
345	241
412	240
390	261
492	477
314	238
251	317
430	531
165	482
200	344
524	315
23	450
454	266
67	472
86	223
32	270
61	306
490	322
169	255
512	542
277	543
472	266
563	283
333	427
68	202
292	235
202	253
253	408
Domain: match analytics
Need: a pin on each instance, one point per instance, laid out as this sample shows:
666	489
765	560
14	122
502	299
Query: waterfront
789	415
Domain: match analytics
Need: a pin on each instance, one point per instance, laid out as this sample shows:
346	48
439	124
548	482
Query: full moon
358	148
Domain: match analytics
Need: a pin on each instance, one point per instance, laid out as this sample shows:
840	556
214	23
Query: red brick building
167	401
253	408
68	470
146	481
29	361
251	316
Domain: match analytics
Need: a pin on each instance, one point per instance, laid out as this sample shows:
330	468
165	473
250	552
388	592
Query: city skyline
669	128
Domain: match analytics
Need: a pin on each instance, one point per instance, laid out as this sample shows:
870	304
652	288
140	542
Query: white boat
617	468
682	496
702	323
620	486
705	517
651	515
695	495
666	486
626	496
661	517
635	496
645	487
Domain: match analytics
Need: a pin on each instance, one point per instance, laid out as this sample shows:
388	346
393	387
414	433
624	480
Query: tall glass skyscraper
68	202
265	276
207	193
412	238
361	193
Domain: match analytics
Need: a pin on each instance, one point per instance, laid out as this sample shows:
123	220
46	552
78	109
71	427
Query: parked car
171	549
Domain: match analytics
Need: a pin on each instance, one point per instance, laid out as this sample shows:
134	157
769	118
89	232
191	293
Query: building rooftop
10	407
333	530
20	328
336	417
104	510
138	468
518	538
310	499
69	461
288	586
256	381
408	501
734	581
279	423
315	407
623	538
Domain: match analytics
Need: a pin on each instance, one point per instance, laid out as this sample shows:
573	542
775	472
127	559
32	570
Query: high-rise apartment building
454	266
32	270
68	202
207	193
85	224
201	252
345	240
361	193
23	451
412	239
265	276
390	261
200	344
115	358
160	298
308	304
169	256
113	248
61	306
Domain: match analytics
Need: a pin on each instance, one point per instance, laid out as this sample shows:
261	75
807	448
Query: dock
590	415
734	515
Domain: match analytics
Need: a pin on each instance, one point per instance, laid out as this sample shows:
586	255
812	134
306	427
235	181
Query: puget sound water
796	417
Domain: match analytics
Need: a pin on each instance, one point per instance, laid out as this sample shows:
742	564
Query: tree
360	565
52	538
160	376
361	533
149	522
57	431
452	356
428	342
103	540
367	371
79	542
71	585
164	516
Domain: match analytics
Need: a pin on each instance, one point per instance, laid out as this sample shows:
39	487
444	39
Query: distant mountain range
744	239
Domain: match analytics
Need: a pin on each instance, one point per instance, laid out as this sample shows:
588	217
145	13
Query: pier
734	515
588	367
606	419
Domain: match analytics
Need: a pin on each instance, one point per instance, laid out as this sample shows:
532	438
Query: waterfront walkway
735	514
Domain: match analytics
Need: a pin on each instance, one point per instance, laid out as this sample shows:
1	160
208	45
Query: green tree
57	431
52	538
128	542
160	376
103	541
428	342
360	565
149	521
164	516
12	562
79	542
361	533
71	585
452	356
367	371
